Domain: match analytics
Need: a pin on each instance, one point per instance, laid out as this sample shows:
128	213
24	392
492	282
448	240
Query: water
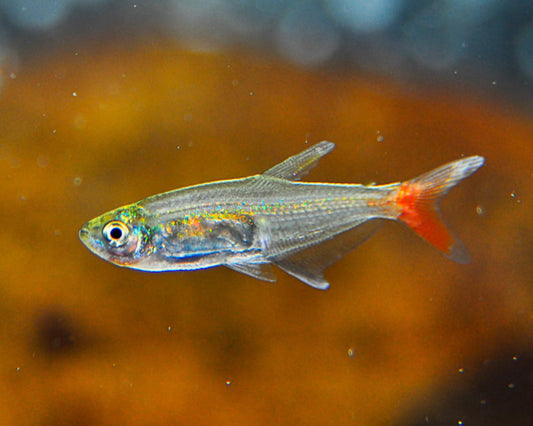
403	335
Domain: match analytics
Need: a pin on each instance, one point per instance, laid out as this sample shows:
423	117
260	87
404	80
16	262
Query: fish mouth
84	234
86	238
94	245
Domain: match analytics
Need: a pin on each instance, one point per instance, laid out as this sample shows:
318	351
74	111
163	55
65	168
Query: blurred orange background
403	335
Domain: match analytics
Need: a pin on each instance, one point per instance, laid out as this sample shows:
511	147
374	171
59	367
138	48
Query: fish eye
116	233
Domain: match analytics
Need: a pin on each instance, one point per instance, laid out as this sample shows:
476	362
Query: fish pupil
116	233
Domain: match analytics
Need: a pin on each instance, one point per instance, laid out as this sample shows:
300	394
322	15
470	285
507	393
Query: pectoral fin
308	265
297	166
261	271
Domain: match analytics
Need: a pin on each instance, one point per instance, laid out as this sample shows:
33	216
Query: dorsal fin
297	166
308	265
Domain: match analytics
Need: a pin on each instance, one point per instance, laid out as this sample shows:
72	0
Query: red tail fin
419	198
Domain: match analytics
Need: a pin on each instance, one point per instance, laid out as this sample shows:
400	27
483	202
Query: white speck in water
494	83
178	147
480	210
169	328
22	197
251	93
74	94
228	383
351	352
514	194
12	76
459	422
379	137
77	181
54	131
17	369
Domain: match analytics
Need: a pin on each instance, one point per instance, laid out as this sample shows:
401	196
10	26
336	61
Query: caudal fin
418	200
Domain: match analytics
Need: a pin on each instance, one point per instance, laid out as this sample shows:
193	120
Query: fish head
119	236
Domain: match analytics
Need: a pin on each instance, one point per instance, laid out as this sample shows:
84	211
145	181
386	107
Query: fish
252	223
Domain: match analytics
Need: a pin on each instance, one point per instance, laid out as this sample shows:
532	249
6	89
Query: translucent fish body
269	219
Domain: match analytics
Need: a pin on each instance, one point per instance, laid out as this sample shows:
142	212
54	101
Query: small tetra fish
269	219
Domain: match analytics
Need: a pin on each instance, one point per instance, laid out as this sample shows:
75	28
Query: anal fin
308	265
261	271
